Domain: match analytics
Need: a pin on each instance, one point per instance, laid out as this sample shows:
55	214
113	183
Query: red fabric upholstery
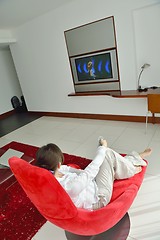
56	206
73	165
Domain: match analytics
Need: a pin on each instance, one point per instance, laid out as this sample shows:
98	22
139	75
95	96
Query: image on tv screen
94	67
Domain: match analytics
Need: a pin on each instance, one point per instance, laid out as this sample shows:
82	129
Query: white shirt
80	184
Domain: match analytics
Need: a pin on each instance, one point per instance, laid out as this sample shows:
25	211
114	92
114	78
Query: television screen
94	67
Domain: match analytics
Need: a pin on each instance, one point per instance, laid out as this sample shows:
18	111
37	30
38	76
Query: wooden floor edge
6	114
125	118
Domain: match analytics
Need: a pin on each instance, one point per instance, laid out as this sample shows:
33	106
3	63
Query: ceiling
14	13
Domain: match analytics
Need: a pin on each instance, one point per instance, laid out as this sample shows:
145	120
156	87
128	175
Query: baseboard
98	116
6	114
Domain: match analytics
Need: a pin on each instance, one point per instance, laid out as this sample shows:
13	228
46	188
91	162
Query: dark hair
49	156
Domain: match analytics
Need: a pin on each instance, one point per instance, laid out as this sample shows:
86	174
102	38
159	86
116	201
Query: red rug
19	219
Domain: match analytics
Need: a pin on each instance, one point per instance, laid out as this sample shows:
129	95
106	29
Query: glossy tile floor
79	137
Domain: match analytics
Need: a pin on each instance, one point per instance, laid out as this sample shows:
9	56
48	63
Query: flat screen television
95	67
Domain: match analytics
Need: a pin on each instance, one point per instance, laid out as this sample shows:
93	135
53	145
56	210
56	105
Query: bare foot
146	153
103	142
138	169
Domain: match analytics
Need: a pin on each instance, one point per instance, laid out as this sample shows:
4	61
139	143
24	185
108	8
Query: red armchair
56	206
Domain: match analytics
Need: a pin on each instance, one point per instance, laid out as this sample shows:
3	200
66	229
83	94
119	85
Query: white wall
5	34
9	84
147	39
42	64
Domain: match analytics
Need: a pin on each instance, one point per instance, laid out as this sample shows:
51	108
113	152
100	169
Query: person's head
49	157
89	65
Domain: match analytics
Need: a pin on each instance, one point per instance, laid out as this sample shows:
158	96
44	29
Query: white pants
114	167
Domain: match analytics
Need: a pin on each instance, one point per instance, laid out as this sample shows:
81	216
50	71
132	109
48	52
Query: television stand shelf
119	94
